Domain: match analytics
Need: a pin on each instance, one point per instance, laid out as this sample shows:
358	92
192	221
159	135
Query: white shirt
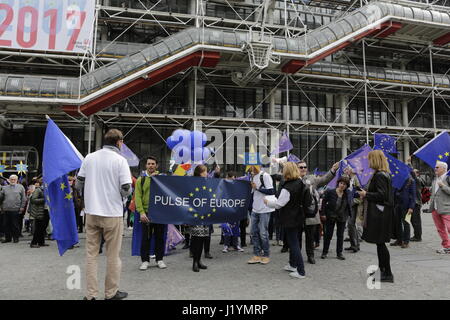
105	171
258	197
282	200
436	185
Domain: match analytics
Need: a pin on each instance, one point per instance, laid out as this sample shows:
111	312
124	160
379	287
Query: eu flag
60	157
359	161
333	183
284	144
399	171
438	149
385	143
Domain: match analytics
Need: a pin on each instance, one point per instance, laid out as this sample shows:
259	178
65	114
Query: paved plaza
419	272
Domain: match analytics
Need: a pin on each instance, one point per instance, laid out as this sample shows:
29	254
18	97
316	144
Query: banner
197	200
47	25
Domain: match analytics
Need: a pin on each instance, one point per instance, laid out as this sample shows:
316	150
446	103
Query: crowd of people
287	204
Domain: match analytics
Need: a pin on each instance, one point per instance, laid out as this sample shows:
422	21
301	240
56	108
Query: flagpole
90	134
432	91
287	108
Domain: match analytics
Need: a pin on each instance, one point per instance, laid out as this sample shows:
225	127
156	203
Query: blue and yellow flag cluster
438	149
399	171
385	143
59	158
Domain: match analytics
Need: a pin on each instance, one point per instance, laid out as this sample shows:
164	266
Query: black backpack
309	203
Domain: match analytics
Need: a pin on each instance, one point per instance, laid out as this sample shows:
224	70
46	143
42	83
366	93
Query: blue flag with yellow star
59	158
197	200
399	171
438	149
385	143
359	161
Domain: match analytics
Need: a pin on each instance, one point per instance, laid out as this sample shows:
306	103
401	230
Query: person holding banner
199	233
378	218
291	217
440	204
142	196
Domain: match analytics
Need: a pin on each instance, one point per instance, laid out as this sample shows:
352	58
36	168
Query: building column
272	105
342	103
405	120
98	136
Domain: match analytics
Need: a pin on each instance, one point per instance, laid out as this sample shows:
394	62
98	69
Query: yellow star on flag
191	194
204	188
68	196
190	209
197	189
447	154
62	186
440	156
214	210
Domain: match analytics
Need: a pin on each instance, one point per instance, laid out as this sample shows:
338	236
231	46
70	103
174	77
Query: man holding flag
106	180
59	158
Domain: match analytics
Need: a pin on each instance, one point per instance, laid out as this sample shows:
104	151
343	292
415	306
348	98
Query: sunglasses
302	167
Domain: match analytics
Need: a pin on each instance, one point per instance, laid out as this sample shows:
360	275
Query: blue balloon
198	139
179	137
171	143
200	155
181	154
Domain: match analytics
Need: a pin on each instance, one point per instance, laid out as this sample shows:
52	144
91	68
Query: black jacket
329	205
380	195
291	215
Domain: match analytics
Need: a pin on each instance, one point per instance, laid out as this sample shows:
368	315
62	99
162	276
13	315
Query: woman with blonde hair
291	217
380	210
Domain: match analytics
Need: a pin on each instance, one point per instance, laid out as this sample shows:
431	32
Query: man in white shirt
106	179
262	185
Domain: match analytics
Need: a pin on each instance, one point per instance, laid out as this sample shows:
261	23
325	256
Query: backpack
309	203
425	195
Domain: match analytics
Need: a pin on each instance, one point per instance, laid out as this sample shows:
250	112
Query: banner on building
47	25
197	200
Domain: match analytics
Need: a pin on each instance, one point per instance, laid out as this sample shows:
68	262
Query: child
231	234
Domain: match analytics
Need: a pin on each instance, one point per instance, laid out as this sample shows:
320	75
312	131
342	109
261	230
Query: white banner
47	25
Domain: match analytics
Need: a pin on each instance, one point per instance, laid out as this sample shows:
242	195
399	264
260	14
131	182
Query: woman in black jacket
291	216
336	206
379	213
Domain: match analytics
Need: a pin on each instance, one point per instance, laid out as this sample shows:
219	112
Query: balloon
171	143
180	137
200	155
206	153
181	154
198	139
197	155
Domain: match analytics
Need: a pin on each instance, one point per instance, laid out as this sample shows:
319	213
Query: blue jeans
295	255
260	233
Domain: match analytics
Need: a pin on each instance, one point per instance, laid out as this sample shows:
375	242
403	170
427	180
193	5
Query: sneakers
239	249
414	239
144	265
443	250
297	275
161	264
404	245
265	260
289	268
254	259
225	249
